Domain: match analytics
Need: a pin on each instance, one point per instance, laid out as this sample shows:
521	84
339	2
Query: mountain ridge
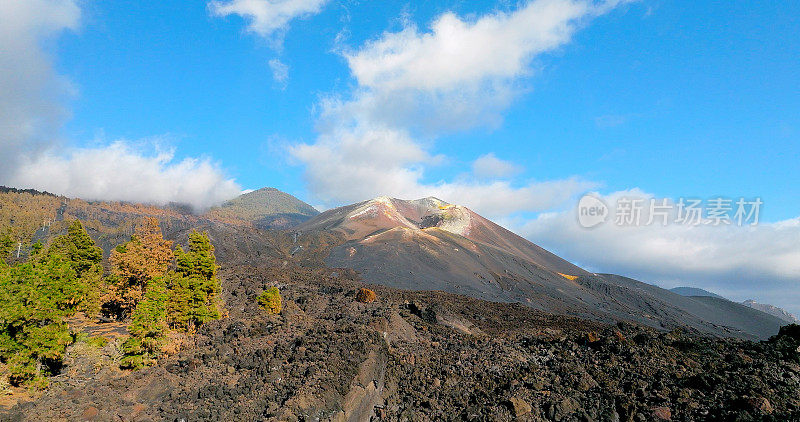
425	244
693	291
772	310
430	244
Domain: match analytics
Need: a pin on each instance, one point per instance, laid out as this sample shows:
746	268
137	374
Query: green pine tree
196	290
78	247
35	299
37	296
148	327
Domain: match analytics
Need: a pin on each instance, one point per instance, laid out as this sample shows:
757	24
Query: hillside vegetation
153	288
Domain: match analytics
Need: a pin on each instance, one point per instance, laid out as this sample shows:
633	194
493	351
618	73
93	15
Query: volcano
430	244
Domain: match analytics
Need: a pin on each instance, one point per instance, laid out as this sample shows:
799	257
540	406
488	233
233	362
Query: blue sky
670	99
679	98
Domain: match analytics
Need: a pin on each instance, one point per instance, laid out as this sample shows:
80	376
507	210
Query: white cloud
31	93
489	166
416	85
280	72
119	172
355	164
267	17
498	199
457	53
358	164
743	262
32	112
460	73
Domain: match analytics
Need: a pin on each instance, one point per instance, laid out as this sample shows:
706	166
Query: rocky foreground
422	356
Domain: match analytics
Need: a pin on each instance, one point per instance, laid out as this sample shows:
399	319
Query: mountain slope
429	244
264	208
432	217
703	313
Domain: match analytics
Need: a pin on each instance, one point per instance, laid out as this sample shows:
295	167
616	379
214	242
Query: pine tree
196	288
35	299
200	260
148	327
179	315
146	256
78	247
85	257
85	254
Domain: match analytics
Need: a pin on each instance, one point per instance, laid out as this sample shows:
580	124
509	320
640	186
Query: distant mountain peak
429	201
772	310
264	189
694	291
265	208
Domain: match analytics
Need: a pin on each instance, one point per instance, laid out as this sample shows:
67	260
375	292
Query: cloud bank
737	262
118	172
351	166
458	74
32	111
31	93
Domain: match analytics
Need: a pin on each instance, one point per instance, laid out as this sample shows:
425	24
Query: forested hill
28	216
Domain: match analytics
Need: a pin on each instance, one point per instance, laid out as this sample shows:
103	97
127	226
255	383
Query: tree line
156	289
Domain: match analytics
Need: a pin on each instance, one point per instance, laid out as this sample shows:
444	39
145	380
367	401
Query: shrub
365	295
97	341
271	300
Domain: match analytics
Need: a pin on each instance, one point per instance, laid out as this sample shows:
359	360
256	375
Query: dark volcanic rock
402	358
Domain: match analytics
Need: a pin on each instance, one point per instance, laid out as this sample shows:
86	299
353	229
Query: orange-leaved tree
145	257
